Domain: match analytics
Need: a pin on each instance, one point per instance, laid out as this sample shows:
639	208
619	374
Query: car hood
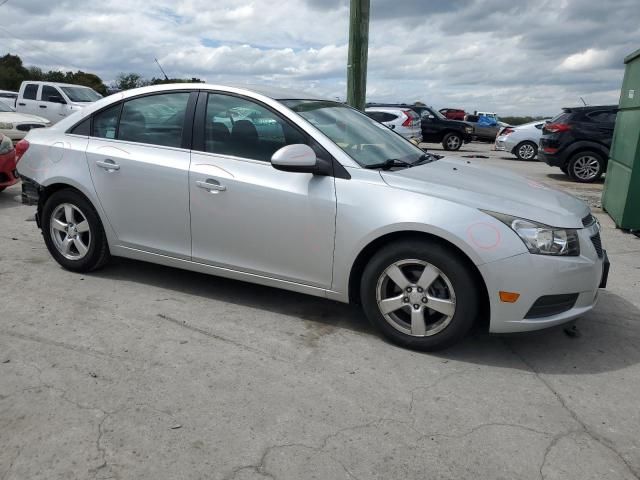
486	188
15	117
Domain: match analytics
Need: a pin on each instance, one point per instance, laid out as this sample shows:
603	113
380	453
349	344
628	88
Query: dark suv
578	141
435	127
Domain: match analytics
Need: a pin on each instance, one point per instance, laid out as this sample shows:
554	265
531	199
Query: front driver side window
242	128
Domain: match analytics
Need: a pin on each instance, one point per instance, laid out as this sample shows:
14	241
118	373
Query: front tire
586	167
526	151
419	294
73	232
452	142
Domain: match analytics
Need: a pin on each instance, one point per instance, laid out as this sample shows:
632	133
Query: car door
52	104
28	101
139	158
245	214
431	131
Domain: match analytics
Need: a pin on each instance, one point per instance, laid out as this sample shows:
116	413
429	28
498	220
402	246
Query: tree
12	72
127	81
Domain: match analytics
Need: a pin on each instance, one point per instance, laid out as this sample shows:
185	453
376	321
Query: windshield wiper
390	163
427	158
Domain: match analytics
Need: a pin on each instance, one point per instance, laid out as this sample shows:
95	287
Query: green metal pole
358	52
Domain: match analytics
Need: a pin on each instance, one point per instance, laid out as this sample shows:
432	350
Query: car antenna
585	103
165	75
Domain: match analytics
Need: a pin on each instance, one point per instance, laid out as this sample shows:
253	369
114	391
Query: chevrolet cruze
306	194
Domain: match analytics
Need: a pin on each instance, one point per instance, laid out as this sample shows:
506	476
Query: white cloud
500	55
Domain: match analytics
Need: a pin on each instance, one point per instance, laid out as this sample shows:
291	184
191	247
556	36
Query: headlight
542	239
468	129
5	145
6	126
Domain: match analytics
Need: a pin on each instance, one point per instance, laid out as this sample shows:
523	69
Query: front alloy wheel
420	293
416	298
452	141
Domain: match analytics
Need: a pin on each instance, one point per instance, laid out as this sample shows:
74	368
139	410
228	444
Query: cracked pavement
145	372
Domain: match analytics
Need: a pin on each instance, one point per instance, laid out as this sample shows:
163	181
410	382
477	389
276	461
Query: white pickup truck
53	101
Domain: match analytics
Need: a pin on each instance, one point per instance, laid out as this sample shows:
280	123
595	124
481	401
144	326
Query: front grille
597	243
25	127
588	220
552	305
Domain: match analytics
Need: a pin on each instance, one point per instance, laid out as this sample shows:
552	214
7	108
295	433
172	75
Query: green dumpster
621	195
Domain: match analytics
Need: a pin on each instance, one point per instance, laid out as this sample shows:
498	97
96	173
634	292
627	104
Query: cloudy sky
509	56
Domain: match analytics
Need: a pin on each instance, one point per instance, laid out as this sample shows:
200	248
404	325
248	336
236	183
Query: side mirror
56	99
295	158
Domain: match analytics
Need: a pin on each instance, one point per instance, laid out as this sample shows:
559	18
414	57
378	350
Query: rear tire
419	294
526	151
73	232
586	167
452	141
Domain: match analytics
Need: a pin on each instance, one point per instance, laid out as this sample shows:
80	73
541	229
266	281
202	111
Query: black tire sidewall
451	264
574	158
98	240
446	137
535	150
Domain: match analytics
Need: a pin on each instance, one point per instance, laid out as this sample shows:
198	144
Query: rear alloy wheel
73	232
586	167
526	151
452	141
419	294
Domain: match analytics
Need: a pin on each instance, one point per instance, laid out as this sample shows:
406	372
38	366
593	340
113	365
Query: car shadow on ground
607	341
565	178
10	198
306	307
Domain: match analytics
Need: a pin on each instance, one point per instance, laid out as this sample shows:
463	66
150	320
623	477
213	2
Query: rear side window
603	116
561	118
30	91
105	123
154	119
377	116
388	117
83	128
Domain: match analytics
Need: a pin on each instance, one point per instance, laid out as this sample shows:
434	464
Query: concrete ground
145	372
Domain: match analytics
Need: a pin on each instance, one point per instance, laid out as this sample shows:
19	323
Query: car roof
589	108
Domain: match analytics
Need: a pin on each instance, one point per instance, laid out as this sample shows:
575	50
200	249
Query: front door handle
108	165
212	185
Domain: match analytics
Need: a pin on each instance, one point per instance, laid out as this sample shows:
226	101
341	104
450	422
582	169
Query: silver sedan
301	193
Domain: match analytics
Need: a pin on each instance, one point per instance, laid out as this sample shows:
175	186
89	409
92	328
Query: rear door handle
212	185
22	104
108	165
43	106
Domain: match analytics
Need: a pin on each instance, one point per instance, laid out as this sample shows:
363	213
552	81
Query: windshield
366	141
5	108
81	94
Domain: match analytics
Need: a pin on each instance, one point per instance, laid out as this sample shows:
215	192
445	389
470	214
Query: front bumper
536	276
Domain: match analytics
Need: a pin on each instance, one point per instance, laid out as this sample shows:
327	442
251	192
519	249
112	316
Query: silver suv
298	192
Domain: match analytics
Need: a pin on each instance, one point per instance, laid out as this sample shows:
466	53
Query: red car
8	174
453	113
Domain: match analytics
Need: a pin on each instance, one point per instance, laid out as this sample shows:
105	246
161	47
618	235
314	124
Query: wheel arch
587	146
367	253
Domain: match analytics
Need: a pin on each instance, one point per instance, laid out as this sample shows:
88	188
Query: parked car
405	122
8	97
436	128
54	101
16	125
521	140
578	141
8	175
485	127
337	206
453	113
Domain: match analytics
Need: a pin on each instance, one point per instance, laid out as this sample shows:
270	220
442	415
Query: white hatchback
405	122
522	141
